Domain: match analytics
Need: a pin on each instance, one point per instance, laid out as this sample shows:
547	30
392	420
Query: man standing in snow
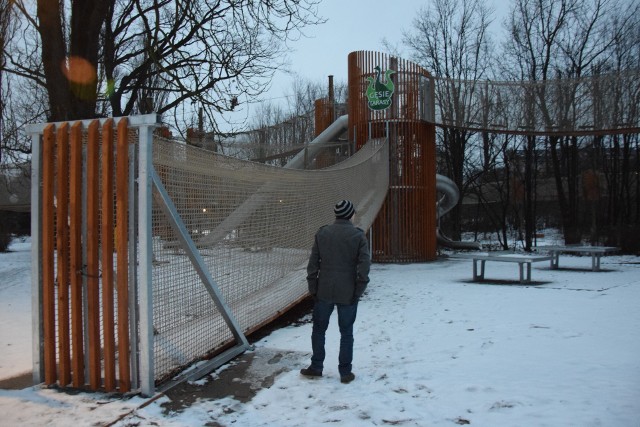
337	274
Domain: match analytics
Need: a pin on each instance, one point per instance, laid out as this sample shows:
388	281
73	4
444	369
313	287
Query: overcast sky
353	25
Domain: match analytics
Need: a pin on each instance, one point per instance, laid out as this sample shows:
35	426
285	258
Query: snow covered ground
431	349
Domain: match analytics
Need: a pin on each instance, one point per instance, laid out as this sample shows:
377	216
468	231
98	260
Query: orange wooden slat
107	234
93	271
75	259
122	247
62	248
48	248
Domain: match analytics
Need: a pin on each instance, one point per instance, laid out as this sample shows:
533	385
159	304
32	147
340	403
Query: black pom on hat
344	209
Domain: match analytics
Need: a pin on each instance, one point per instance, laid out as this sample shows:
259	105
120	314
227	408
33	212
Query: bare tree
450	39
617	157
561	40
5	23
280	130
19	103
122	56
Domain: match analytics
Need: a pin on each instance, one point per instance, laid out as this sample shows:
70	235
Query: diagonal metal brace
171	212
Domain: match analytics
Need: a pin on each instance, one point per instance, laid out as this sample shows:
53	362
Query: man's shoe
346	379
308	372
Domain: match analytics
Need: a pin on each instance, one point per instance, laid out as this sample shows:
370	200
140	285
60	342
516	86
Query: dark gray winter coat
338	269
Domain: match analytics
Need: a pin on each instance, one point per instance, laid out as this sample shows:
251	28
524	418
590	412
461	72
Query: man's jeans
346	317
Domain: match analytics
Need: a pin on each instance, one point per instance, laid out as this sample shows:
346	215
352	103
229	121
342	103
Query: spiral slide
450	197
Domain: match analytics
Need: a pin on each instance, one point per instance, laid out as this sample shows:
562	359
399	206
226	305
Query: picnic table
521	259
596	253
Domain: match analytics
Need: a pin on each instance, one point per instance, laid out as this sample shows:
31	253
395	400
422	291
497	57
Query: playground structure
130	288
405	227
151	255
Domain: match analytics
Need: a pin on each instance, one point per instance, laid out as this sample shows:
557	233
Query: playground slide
450	197
334	130
444	185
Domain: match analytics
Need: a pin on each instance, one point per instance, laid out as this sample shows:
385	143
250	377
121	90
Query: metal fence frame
142	182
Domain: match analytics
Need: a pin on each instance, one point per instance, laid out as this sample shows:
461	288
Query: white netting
254	226
593	104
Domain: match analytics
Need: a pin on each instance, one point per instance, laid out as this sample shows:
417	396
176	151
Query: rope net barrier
600	104
253	225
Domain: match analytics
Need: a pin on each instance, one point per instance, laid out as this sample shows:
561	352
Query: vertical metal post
145	242
36	266
133	264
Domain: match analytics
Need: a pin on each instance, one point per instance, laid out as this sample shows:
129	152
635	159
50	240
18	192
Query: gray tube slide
450	197
334	130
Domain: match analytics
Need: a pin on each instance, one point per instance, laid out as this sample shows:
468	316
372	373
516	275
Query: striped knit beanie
344	209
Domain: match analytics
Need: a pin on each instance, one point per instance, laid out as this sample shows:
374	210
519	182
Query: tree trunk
457	142
529	193
570	225
71	72
54	53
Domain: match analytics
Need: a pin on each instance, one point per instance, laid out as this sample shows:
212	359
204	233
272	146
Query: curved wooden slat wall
405	229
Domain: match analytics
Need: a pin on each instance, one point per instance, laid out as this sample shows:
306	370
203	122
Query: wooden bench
596	253
521	259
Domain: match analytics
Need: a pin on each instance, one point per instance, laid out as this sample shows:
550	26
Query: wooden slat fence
85	255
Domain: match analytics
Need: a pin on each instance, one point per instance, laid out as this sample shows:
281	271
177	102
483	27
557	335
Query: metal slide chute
333	131
448	200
